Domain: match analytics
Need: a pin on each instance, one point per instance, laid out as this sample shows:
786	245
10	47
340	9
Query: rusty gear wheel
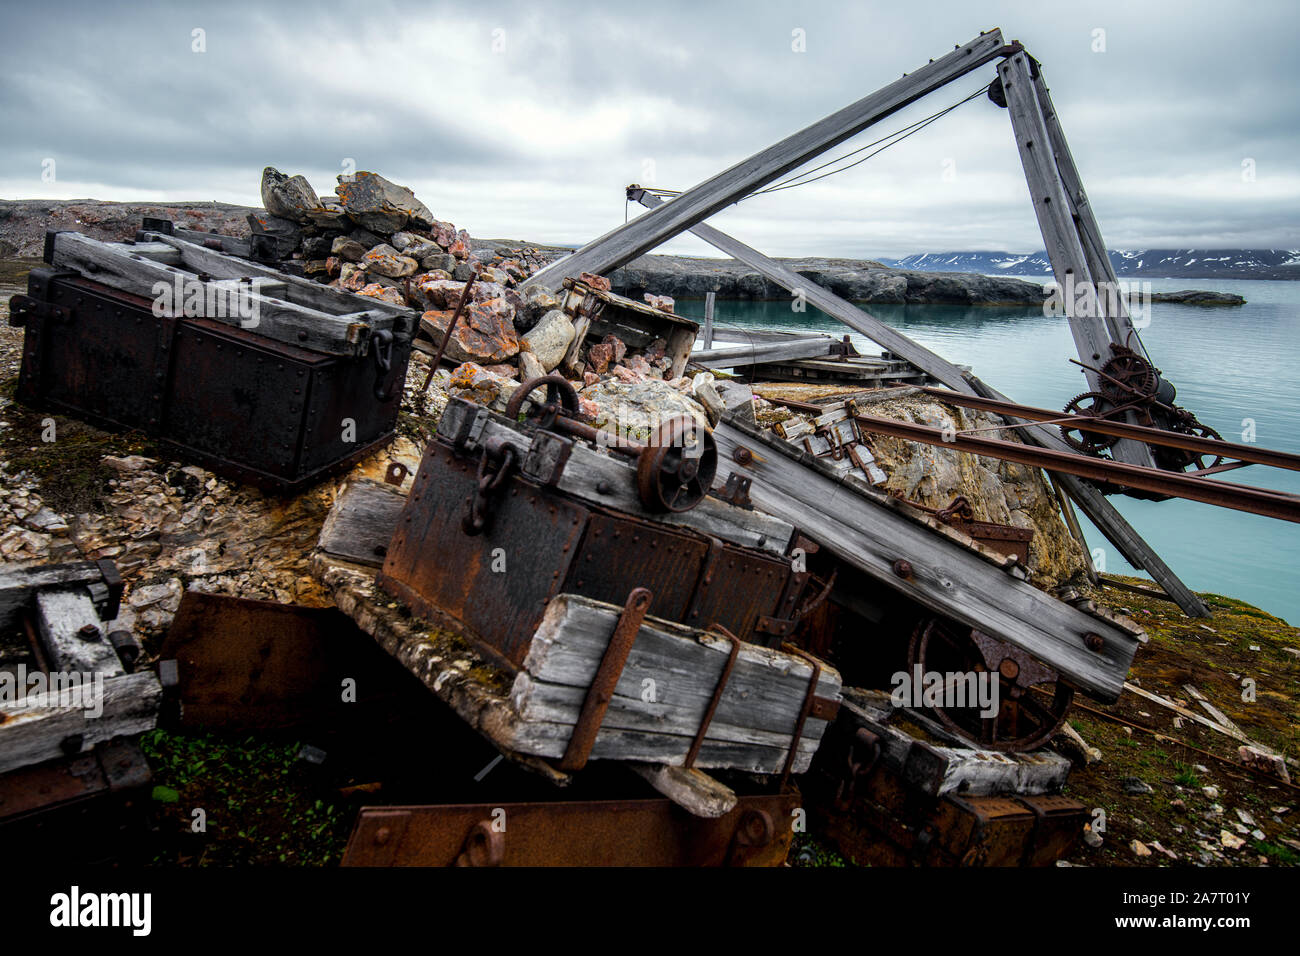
1096	405
1032	699
1127	376
676	470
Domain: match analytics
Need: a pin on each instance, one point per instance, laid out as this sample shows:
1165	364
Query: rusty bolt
903	568
88	632
743	456
1094	642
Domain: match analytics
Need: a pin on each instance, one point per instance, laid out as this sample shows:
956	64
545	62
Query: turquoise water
1229	364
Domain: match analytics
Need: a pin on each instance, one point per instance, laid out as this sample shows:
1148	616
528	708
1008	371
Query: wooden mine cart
259	376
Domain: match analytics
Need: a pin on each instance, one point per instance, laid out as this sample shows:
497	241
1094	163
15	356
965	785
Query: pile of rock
376	238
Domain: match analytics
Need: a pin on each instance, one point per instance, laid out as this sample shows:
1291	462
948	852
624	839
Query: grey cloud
1183	93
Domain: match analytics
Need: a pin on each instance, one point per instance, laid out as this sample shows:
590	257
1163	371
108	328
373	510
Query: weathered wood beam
1065	247
639	236
1092	502
300	291
946	578
45	726
1094	246
830	303
756	353
116	265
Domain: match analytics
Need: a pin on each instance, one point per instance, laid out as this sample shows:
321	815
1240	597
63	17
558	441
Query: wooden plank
761	703
231	245
35	729
729	356
60	616
709	302
1094	246
948	580
159	252
18	586
690	789
300	291
1091	333
682	665
936	769
549	740
639	236
1233	732
549	705
610	481
115	265
1210	709
361	523
572	361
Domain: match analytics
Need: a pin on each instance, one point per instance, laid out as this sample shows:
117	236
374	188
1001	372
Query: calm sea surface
1229	365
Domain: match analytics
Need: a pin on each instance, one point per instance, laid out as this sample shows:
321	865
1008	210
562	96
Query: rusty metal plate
652	832
1003	538
253	665
113	766
1058	827
535	543
741	587
619	552
982	831
99	356
496	583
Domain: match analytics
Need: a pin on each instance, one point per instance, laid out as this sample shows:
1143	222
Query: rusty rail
1271	504
1121	429
451	327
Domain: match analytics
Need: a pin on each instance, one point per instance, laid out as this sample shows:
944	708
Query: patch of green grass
1186	777
806	850
260	803
1276	854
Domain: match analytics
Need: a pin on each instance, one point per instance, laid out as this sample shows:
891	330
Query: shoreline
23	224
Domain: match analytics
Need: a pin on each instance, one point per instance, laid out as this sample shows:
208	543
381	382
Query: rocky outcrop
1198	297
484	334
636	410
1002	492
859	280
374	203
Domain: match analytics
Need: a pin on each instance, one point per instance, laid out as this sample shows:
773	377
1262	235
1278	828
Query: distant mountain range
1133	263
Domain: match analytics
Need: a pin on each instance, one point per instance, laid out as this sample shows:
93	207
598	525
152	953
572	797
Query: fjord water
1230	365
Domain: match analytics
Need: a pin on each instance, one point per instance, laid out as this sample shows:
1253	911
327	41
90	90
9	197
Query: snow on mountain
1153	263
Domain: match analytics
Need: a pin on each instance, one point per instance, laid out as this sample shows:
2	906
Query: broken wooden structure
774	356
597	313
1069	229
260	376
536	548
884	792
72	703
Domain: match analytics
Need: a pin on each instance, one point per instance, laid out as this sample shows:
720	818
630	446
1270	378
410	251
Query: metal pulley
676	471
673	472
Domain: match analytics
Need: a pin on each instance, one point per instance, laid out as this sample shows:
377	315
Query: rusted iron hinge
601	691
21	307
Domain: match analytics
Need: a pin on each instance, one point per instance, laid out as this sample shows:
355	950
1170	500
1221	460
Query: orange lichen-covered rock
483	334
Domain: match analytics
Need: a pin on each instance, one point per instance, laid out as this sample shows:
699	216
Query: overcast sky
526	121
